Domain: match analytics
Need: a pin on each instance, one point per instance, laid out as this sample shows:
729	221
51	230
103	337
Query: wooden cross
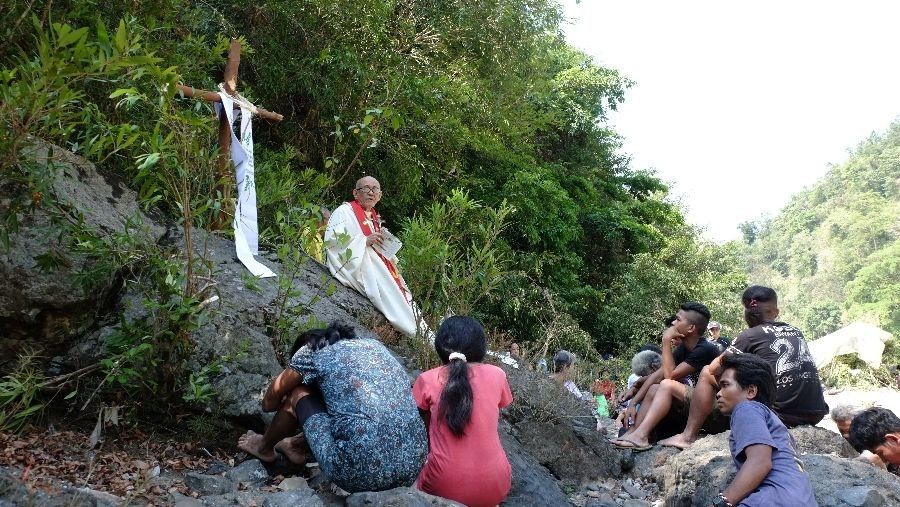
225	172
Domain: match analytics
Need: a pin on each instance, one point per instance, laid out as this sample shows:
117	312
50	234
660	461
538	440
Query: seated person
769	472
353	253
715	330
798	396
877	430
460	402
643	364
843	415
564	372
515	352
370	437
664	389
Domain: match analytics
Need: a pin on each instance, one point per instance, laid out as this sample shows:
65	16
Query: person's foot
252	443
635	438
294	449
679	441
627	434
625	443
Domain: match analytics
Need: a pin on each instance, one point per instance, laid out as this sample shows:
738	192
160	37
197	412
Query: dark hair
755	313
698	314
869	428
320	338
466	336
562	360
651	346
752	370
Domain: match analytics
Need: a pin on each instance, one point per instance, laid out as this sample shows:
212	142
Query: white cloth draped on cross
246	230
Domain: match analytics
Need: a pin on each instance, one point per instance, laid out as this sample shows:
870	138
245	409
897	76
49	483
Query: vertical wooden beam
224	174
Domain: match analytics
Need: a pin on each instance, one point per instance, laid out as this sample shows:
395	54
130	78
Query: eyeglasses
369	190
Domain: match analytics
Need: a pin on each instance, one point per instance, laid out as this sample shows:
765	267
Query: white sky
741	104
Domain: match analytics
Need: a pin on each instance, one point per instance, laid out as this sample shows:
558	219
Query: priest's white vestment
363	268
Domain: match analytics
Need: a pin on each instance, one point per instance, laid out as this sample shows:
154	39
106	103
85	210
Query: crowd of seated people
368	430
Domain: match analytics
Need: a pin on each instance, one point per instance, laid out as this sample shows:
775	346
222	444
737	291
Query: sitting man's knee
669	385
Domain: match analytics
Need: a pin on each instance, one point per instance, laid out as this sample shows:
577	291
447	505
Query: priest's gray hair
645	362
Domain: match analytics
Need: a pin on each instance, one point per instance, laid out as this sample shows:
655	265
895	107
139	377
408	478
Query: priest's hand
375	237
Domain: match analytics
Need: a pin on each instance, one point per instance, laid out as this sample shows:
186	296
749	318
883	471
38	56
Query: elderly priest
362	254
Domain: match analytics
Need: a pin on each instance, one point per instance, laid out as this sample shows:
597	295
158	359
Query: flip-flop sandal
634	447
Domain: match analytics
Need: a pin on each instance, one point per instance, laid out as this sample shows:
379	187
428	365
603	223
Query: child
460	402
769	472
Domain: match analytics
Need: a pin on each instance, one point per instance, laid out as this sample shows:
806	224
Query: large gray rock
695	476
206	484
559	431
241	322
44	309
815	440
302	497
399	497
532	484
251	473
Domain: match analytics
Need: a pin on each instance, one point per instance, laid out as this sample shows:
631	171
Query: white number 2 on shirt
787	360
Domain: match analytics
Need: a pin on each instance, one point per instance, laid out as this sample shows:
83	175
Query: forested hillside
486	129
833	253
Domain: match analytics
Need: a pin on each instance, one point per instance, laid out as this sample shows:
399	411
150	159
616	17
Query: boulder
815	440
695	476
559	431
532	484
241	322
44	308
398	497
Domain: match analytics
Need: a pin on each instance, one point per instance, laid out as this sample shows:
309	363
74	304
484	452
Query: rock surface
48	307
399	497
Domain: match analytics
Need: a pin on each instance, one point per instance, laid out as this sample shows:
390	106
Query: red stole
367	230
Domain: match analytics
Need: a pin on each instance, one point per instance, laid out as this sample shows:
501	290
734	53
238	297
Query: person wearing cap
715	330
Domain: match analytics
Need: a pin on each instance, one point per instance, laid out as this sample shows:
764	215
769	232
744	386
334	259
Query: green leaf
71	395
149	160
71	37
102	34
121	36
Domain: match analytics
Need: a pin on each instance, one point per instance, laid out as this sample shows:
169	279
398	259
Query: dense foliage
833	253
474	104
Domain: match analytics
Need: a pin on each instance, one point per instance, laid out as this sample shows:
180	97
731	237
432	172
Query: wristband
722	501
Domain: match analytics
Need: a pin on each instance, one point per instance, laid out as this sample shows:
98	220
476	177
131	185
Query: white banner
246	231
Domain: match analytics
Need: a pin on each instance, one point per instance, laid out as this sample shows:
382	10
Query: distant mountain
833	253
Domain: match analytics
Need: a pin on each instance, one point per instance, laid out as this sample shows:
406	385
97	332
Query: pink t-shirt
472	469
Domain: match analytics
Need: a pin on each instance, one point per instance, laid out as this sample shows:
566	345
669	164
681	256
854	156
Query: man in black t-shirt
670	387
798	391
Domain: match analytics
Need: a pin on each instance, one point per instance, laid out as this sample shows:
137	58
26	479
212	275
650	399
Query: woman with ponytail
460	402
350	398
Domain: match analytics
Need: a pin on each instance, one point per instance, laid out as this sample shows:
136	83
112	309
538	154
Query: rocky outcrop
43	308
559	431
241	322
695	476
